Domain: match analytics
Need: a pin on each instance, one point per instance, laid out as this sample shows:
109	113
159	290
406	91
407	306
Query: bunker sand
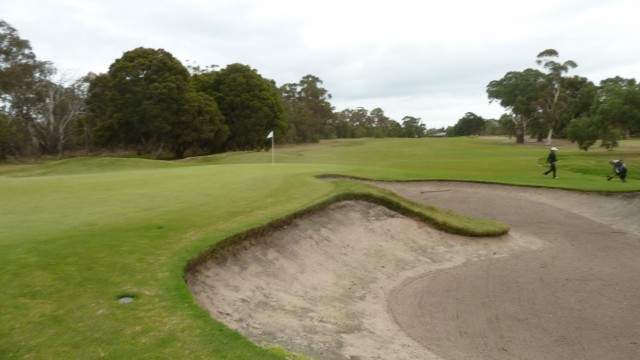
358	281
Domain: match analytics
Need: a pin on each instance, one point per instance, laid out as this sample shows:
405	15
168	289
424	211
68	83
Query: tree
492	127
58	116
201	126
146	91
21	89
249	103
553	99
95	126
507	125
519	92
581	94
470	124
361	123
584	131
412	127
610	137
5	136
383	125
312	112
341	123
618	105
578	96
146	100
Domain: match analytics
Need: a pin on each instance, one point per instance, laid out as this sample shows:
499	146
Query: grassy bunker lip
353	190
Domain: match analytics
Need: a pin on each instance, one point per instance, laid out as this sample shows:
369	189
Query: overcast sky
422	58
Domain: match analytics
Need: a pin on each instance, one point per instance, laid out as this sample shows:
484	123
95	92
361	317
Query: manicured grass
87	165
76	235
496	160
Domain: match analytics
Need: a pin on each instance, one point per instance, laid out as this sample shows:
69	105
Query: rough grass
77	234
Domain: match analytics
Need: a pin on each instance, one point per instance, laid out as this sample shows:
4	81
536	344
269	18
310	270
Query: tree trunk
549	136
60	146
521	128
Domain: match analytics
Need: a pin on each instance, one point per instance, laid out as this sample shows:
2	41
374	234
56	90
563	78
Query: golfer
552	159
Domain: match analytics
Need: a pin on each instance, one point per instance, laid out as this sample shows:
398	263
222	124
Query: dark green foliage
412	127
581	95
383	125
5	136
544	104
201	125
149	102
250	104
16	60
359	122
507	125
519	92
353	123
147	89
470	124
146	101
311	113
618	105
22	93
610	137
95	128
584	131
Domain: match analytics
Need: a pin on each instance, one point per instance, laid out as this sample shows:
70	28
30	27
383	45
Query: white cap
554	148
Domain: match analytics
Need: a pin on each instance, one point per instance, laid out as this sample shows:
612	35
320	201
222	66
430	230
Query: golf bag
619	169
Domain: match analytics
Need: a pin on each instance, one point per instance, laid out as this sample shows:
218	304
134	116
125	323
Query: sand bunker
358	281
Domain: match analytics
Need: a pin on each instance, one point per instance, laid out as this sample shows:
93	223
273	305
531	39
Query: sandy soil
358	281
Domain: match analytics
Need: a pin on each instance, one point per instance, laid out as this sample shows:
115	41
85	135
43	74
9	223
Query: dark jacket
552	157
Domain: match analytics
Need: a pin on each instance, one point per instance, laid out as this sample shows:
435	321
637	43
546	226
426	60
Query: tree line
547	104
544	104
151	103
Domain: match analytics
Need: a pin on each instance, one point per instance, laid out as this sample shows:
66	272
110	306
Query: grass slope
77	234
87	165
496	160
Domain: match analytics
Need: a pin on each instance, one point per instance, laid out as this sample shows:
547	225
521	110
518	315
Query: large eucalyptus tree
519	92
554	99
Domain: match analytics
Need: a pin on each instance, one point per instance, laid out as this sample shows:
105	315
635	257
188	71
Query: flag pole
273	156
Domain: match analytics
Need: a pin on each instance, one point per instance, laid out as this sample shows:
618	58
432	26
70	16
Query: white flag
270	135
